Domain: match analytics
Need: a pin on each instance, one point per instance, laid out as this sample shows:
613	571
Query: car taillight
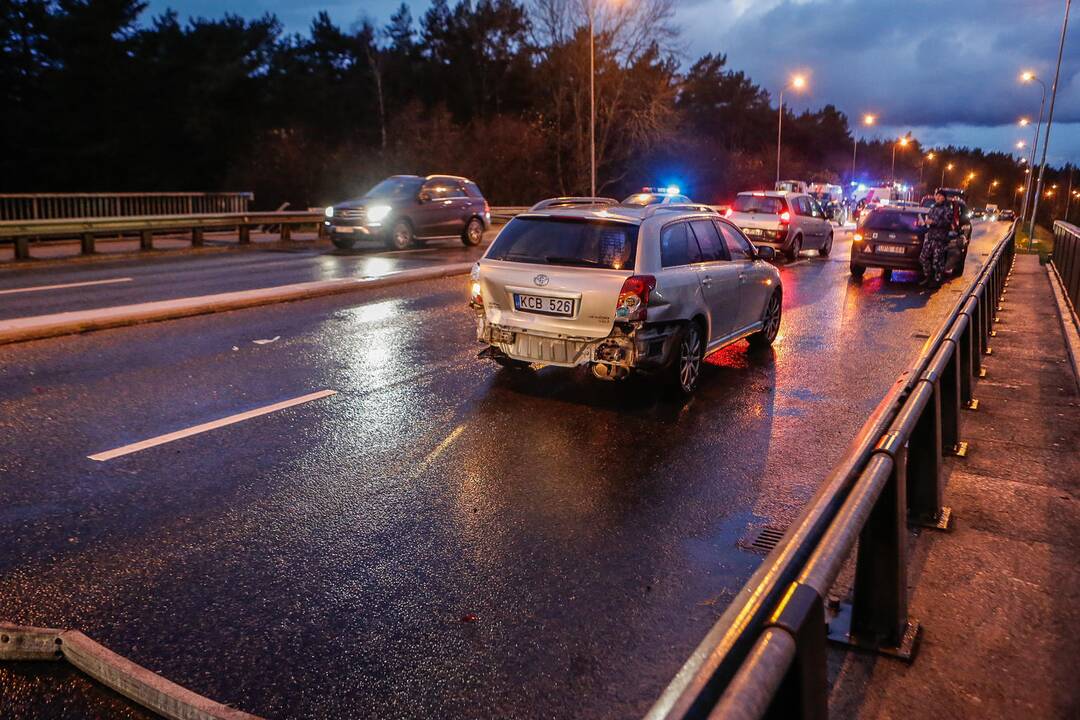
634	298
476	296
727	213
785	217
857	237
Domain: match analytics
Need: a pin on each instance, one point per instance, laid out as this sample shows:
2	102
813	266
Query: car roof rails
558	202
678	207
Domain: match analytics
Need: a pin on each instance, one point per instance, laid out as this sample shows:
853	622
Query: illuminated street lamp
929	156
1027	77
902	142
943	169
798	82
867	120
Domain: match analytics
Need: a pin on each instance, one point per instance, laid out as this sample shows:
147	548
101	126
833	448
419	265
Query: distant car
891	238
622	290
404	209
655	196
976	213
788	222
1007	214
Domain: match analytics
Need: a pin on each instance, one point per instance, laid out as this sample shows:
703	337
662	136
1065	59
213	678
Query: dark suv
403	209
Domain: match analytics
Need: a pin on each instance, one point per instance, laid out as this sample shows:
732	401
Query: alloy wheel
772	318
690	359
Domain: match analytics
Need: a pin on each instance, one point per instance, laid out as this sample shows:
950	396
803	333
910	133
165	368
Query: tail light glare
633	302
476	296
727	212
785	217
857	237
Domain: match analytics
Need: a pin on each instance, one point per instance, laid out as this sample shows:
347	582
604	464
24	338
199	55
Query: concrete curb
67	323
164	697
1070	325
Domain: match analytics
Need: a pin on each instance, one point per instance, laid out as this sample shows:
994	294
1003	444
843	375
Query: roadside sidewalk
999	596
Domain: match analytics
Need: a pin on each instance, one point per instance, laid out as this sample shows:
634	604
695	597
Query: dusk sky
946	71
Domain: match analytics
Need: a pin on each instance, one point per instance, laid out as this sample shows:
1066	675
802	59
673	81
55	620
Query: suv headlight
378	213
329	212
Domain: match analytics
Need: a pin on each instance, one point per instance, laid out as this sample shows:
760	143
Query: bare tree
635	45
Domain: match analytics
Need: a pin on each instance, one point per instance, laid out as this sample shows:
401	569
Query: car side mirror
424	196
766	253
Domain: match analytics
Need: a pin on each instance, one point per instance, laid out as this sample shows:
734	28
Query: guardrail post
803	693
86	245
924	476
22	248
197	237
286	232
877	619
245	234
146	240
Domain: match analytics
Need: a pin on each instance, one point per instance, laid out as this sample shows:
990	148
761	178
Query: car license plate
543	305
892	249
752	231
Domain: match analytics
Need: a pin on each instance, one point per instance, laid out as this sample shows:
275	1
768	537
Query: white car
790	222
622	290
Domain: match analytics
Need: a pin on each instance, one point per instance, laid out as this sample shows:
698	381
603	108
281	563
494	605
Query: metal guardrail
766	654
23	232
46	206
1066	259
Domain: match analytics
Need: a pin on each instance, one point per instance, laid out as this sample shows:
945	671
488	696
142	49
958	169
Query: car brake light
785	217
857	237
476	296
634	298
727	212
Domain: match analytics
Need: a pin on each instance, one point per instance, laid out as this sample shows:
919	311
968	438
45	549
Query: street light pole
797	82
1049	121
1027	77
868	120
592	103
902	142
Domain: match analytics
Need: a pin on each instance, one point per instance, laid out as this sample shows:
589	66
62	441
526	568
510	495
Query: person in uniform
940	222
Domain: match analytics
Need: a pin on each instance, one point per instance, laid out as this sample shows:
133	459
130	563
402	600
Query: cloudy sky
947	70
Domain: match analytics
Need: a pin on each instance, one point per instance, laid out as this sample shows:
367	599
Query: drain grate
767	538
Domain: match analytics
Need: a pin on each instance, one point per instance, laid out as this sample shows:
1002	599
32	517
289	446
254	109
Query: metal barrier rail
23	232
1066	259
766	654
45	206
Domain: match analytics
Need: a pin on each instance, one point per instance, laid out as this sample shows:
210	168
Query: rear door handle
706	280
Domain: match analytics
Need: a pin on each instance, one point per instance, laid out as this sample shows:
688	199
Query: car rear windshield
567	241
396	187
895	220
759	204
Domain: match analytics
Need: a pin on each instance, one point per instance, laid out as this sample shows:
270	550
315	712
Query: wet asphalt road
439	539
188	274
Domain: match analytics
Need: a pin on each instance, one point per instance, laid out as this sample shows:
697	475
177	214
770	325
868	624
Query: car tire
858	270
773	314
827	247
343	243
960	263
792	253
473	232
686	365
401	236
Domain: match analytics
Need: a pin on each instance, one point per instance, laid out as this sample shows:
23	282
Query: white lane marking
443	445
213	424
36	288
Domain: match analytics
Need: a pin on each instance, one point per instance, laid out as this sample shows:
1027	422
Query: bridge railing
45	206
767	653
1066	259
23	232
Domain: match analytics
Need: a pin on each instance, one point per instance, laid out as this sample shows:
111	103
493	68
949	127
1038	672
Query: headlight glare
378	213
329	212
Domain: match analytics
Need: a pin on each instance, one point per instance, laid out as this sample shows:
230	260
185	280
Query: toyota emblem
541	280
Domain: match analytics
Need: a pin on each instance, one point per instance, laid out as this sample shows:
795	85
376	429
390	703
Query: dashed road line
205	427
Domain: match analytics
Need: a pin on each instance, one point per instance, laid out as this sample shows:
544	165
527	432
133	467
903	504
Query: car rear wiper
563	260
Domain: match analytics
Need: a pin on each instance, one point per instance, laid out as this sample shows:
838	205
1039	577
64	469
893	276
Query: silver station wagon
583	281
